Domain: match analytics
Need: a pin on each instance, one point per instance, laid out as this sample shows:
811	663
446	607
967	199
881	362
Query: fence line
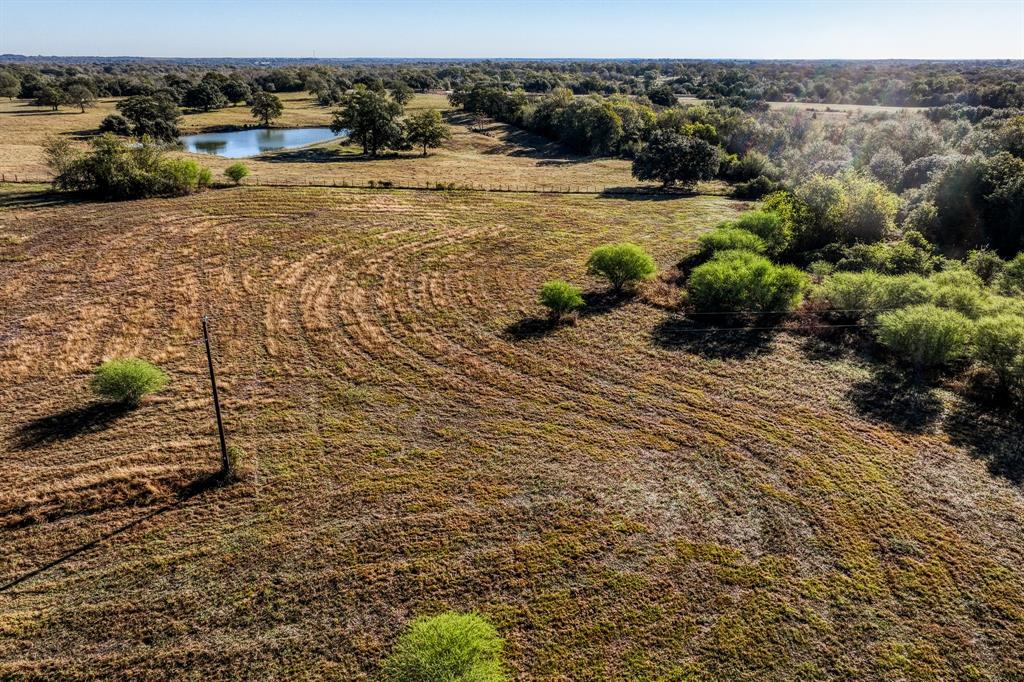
345	183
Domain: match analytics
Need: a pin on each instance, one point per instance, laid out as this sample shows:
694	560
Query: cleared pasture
624	497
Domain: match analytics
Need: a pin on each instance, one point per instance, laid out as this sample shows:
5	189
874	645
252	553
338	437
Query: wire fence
426	185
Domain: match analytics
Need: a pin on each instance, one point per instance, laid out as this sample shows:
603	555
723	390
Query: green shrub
925	335
1011	281
127	380
621	264
985	263
769	226
729	238
451	647
999	345
560	298
900	291
237	172
740	280
959	290
852	294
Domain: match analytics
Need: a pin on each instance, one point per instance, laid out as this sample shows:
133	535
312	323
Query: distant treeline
996	84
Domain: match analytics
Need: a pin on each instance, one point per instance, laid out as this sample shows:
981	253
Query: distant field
495	155
624	498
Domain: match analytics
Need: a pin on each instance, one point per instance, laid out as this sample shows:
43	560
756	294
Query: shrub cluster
127	380
116	170
743	281
452	646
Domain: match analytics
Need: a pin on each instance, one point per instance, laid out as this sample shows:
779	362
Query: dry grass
625	500
496	155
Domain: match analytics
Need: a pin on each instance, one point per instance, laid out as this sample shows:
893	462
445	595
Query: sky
742	29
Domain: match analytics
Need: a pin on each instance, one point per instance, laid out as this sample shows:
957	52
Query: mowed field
492	155
625	497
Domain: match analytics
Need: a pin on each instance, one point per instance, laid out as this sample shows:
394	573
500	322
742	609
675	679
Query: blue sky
761	29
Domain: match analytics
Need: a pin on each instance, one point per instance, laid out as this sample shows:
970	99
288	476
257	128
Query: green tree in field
451	647
371	119
401	93
671	158
621	264
235	90
49	96
427	129
205	95
80	95
925	335
266	107
237	172
10	85
151	116
559	298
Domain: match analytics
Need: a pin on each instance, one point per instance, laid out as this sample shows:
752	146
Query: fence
255	181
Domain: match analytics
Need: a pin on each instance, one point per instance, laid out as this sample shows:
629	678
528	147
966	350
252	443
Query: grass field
493	155
623	497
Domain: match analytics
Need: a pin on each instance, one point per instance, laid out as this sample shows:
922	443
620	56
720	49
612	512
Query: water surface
236	144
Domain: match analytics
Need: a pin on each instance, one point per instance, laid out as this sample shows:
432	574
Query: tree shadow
603	302
712	338
529	328
888	396
645	193
993	435
68	424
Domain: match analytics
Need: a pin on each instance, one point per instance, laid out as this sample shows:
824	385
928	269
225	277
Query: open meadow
492	155
625	497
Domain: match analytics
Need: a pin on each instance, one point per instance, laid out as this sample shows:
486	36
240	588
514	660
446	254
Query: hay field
623	498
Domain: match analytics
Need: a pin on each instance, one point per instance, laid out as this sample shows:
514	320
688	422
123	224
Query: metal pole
224	464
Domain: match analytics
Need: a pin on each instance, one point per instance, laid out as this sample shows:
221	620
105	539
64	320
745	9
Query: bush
925	335
621	264
853	294
237	172
999	345
452	647
127	380
912	254
115	170
116	124
770	227
740	281
985	263
729	238
959	290
902	291
756	188
1011	281
560	298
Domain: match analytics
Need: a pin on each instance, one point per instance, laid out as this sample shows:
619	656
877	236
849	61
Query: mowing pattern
623	499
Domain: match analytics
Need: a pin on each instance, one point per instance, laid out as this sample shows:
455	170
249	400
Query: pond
236	144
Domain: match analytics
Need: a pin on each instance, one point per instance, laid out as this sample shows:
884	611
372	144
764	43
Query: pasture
625	497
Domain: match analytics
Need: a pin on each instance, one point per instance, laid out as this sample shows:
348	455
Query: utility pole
225	465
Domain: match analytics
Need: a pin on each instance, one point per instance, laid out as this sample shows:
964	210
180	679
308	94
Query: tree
237	171
401	93
741	281
559	298
151	116
621	264
205	95
266	107
10	85
427	129
81	95
662	95
236	90
371	119
451	646
49	96
117	124
673	158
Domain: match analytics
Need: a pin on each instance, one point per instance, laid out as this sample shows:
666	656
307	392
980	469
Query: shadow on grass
203	483
994	435
712	337
641	193
603	302
529	328
69	423
889	396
